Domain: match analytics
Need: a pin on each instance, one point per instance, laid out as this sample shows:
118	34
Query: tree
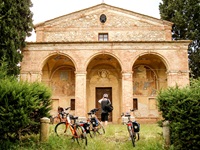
15	25
185	14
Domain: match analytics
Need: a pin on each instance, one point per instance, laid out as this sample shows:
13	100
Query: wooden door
99	94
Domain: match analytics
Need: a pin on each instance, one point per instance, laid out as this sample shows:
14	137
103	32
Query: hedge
22	104
180	106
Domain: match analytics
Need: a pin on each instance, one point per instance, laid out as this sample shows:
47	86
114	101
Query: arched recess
58	73
149	76
104	76
56	54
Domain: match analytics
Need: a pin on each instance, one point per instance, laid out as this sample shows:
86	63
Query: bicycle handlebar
93	111
128	113
63	112
67	108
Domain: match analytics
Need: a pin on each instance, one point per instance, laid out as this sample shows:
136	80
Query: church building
106	49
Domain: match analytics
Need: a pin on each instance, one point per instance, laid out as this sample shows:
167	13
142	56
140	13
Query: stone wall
120	25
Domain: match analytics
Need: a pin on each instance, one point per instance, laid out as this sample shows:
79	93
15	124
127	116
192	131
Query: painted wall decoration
63	83
144	81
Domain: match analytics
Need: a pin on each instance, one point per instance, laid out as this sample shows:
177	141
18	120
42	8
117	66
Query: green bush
22	104
181	107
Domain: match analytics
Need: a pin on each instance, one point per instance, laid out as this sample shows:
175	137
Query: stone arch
100	53
164	60
104	72
58	72
54	54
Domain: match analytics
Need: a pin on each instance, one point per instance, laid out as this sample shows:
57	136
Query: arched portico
149	76
104	76
58	72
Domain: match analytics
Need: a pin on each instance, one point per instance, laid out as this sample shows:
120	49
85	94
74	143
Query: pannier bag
86	127
136	126
94	122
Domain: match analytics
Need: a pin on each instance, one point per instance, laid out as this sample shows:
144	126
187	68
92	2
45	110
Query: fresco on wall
144	81
63	83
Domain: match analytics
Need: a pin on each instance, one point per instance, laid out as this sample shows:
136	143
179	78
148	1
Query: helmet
105	95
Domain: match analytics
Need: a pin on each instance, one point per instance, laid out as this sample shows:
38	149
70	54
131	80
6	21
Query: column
80	94
127	91
178	77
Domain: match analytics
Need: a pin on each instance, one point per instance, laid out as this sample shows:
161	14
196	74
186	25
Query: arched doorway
104	76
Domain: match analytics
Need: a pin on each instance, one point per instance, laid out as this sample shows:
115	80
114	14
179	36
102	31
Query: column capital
81	72
175	72
31	72
127	72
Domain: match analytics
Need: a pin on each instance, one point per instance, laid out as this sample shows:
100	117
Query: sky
44	10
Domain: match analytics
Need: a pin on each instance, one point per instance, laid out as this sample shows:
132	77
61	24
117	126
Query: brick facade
138	59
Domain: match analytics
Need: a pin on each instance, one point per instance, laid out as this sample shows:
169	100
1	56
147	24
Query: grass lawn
116	138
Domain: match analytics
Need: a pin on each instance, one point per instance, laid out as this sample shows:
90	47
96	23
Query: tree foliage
185	16
181	107
22	104
15	25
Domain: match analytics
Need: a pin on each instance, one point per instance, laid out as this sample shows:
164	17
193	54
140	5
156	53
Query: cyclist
104	113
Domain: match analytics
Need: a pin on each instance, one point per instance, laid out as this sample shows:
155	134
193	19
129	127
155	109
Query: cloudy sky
48	9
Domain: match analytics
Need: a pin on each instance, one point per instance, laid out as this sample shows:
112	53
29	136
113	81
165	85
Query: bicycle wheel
131	134
92	131
62	130
137	136
81	136
100	129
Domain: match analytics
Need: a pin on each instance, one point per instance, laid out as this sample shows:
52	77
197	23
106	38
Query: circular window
103	18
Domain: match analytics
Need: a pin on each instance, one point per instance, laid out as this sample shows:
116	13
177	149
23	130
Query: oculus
103	18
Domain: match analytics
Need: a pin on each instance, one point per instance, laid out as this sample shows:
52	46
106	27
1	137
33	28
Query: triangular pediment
121	25
116	17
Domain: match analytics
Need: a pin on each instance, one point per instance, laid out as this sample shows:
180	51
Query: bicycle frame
71	126
95	126
76	129
131	128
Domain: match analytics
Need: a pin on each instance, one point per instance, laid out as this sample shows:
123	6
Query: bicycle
133	128
74	130
59	117
95	124
56	119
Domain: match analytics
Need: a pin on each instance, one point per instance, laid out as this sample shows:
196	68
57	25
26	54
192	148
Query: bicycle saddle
94	110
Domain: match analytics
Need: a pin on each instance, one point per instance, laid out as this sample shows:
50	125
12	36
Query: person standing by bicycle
104	113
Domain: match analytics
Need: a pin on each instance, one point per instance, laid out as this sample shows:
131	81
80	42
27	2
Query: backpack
109	107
